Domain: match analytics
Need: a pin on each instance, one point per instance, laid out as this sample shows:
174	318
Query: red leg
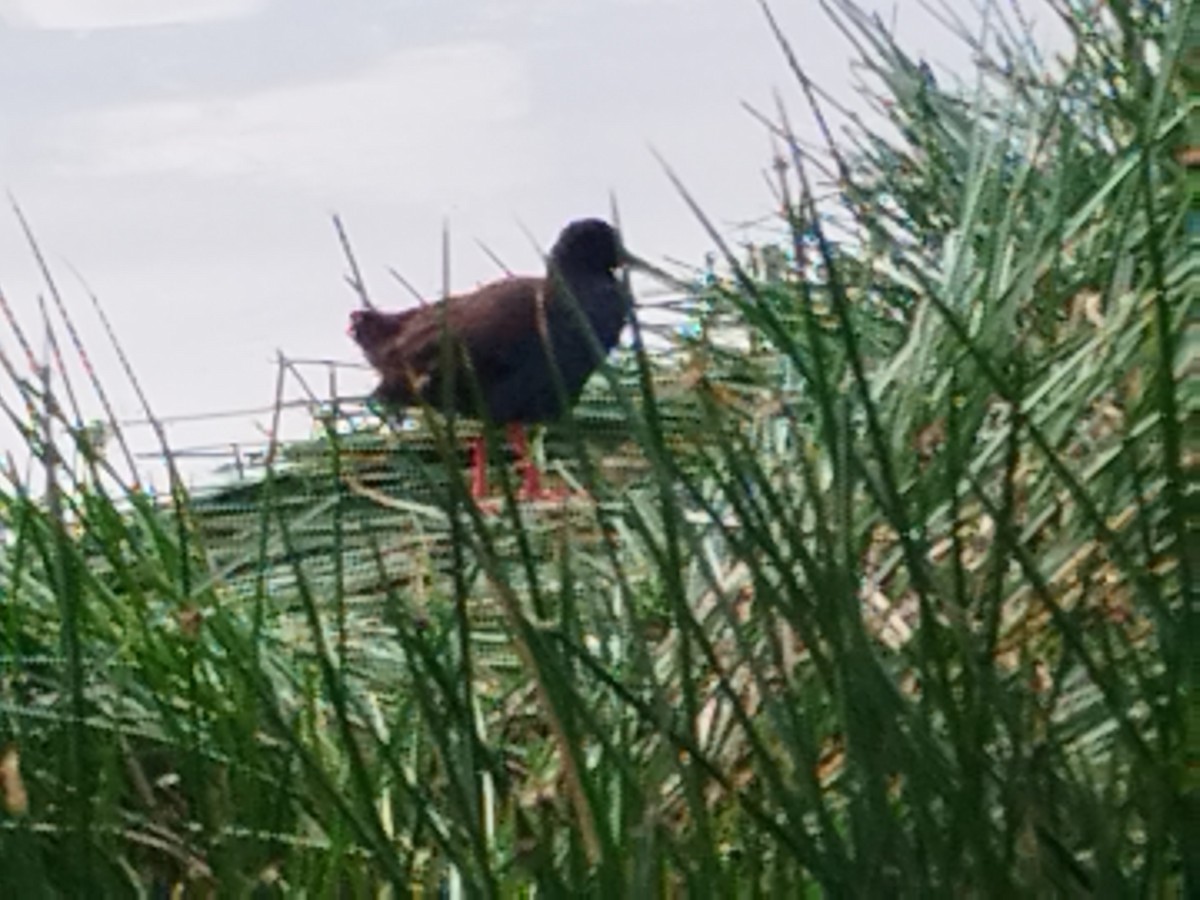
531	483
479	485
531	477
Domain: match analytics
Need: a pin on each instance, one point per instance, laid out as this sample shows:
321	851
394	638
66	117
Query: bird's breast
604	308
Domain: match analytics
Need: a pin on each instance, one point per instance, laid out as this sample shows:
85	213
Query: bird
522	340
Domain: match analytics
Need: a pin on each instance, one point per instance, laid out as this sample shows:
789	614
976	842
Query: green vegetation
898	601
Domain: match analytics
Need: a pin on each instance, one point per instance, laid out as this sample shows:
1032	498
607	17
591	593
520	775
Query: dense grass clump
881	583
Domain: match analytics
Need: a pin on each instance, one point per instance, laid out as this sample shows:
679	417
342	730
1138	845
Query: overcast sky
185	156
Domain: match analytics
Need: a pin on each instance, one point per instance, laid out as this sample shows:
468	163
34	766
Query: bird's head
592	245
588	245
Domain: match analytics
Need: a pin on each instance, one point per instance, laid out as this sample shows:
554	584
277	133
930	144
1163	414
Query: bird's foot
541	496
559	495
489	506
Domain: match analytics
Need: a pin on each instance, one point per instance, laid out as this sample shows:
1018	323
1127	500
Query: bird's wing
497	325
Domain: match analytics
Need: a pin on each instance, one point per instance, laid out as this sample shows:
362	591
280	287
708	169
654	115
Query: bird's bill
633	261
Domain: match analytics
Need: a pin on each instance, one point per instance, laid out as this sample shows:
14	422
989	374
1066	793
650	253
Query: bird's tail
371	329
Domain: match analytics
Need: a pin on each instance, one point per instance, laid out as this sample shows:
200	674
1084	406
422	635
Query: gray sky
185	156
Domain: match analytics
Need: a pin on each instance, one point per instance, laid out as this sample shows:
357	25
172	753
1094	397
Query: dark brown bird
514	334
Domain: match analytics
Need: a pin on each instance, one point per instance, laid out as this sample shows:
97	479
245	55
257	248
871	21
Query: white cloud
455	113
85	15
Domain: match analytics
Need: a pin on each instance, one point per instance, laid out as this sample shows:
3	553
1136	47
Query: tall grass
882	583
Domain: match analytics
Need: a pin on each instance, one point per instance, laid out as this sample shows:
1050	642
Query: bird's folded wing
496	325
